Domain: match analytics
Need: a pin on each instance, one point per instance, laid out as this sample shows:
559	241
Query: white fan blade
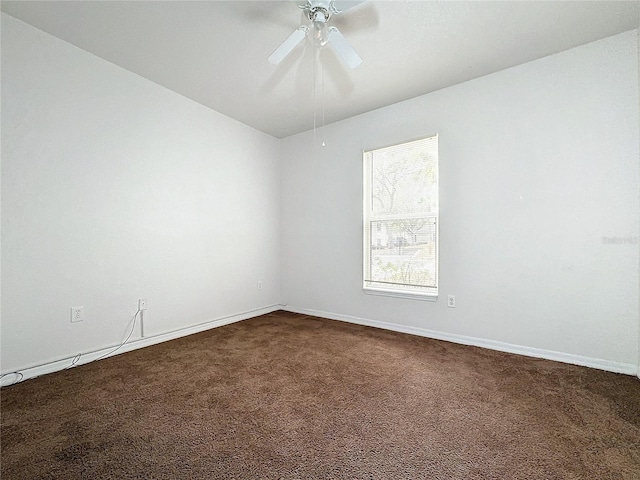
288	45
346	51
344	5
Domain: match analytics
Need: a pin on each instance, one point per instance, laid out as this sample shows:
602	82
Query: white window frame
400	291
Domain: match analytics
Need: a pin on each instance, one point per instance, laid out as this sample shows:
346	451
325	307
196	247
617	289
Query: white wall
113	189
537	164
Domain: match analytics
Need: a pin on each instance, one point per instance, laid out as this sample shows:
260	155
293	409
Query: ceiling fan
319	32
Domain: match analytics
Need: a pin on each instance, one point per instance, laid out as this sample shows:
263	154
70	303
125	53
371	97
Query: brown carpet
284	396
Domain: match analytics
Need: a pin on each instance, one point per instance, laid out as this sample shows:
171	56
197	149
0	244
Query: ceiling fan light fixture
319	34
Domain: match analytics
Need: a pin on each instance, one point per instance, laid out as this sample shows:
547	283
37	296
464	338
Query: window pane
404	179
403	252
401	217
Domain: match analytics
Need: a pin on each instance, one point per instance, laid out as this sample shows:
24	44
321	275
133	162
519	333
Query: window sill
428	297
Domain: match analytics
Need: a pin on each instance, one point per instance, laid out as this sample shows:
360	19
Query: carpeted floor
284	396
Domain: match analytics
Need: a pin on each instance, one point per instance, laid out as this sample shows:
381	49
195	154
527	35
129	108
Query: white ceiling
215	52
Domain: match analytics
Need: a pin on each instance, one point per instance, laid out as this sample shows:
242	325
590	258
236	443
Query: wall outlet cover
451	301
77	314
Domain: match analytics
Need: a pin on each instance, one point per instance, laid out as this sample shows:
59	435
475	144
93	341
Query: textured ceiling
215	52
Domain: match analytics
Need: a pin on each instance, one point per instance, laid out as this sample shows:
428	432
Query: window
401	219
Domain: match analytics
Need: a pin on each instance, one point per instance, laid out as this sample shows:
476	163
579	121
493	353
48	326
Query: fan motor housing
314	10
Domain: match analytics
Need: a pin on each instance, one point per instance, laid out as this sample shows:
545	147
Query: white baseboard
600	364
12	377
15	376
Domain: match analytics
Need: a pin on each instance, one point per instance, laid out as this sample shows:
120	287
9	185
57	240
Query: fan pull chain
322	94
317	57
315	76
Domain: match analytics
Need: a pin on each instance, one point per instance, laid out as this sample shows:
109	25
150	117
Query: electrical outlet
259	285
142	304
451	301
77	314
